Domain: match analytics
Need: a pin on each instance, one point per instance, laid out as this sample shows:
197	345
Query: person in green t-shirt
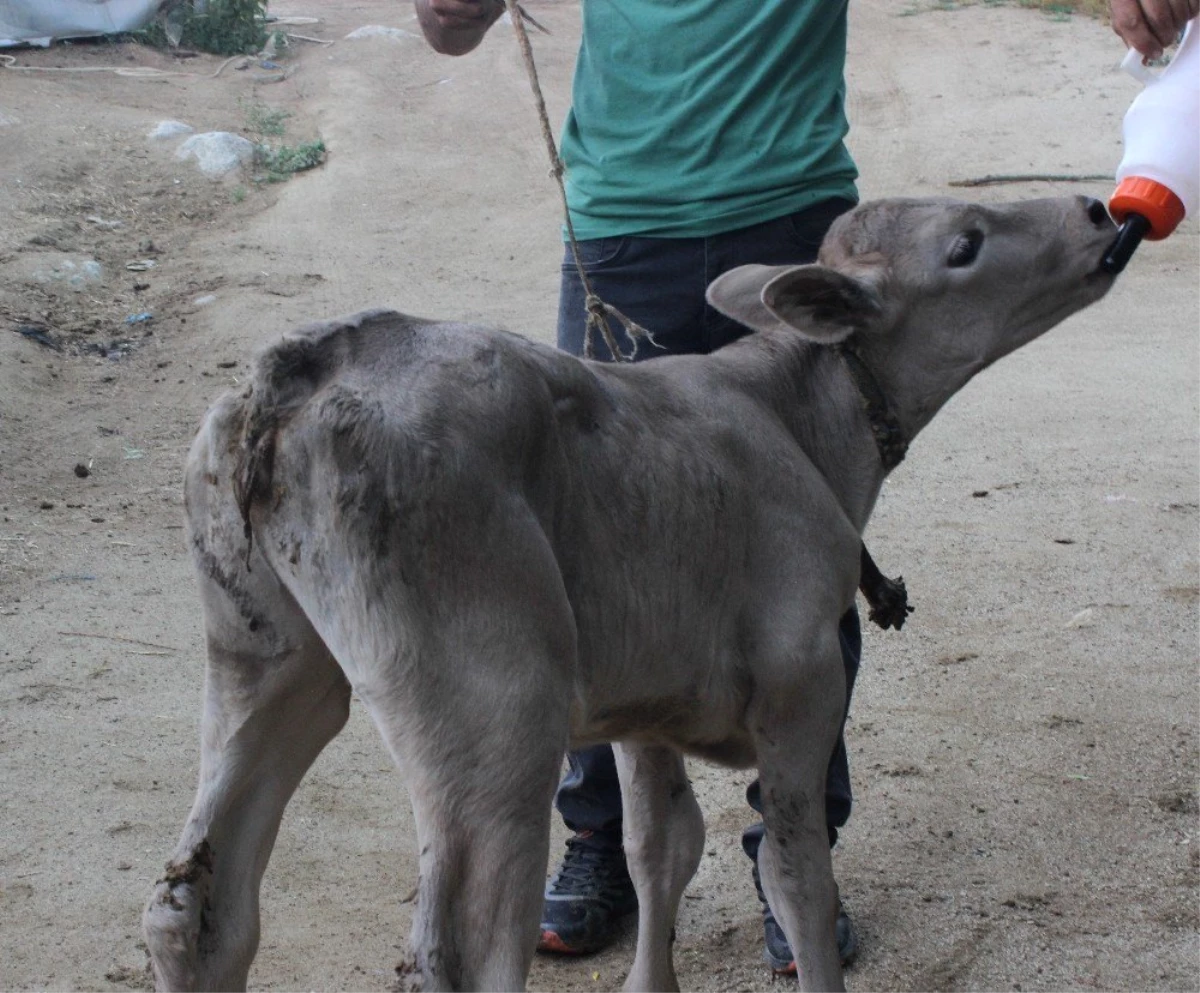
702	135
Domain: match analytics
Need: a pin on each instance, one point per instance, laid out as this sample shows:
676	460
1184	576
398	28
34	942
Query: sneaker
777	953
586	898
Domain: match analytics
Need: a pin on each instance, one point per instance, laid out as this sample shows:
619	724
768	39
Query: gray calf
504	550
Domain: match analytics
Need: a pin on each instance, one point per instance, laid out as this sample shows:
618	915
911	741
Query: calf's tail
286	376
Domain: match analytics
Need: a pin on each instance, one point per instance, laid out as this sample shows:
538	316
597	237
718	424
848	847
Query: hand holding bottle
1151	25
1157	181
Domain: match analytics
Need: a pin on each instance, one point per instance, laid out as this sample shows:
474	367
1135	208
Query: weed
265	121
238	194
286	160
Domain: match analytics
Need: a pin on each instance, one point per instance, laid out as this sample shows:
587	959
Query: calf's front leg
664	838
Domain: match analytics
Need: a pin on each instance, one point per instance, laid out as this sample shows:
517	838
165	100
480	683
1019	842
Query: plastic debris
39	22
76	276
40	335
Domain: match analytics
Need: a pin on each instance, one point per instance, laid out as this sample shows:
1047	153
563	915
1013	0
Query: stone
217	153
170	129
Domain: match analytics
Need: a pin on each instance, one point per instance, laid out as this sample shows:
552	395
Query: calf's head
929	292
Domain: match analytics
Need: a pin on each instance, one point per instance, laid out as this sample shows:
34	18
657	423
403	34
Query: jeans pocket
595	253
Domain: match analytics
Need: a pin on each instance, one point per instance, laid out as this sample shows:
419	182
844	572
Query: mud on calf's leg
174	919
273	698
202	921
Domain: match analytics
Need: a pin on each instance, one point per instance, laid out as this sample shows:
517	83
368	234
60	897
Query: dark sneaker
586	898
777	953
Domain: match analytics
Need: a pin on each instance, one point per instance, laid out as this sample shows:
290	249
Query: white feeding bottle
1158	180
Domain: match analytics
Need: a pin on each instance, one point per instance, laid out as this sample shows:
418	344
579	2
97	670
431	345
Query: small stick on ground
116	637
1033	177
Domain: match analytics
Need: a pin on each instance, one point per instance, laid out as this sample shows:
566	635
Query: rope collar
885	425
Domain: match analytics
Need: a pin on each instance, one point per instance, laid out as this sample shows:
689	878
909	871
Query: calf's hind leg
474	708
795	726
273	698
481	765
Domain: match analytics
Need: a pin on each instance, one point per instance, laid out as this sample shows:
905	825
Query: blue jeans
660	284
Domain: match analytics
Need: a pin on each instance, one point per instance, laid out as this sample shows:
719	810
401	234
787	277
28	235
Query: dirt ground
1024	753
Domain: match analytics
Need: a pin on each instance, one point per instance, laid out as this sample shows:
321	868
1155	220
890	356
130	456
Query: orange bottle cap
1155	202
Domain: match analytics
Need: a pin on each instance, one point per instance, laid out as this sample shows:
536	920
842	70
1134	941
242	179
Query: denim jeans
660	284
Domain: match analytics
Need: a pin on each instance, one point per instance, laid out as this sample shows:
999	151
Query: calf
505	550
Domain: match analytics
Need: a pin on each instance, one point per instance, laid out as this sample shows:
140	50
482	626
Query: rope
598	311
135	72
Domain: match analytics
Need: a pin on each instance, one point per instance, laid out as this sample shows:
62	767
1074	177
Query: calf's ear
820	303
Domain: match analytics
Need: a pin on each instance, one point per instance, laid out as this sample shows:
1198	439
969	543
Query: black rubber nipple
1133	229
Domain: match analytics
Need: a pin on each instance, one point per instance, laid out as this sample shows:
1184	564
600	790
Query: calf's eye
965	249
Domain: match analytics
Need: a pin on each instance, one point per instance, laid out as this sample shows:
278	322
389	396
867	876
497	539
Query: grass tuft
287	160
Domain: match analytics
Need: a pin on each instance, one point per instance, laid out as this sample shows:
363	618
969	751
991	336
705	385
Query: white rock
1084	619
379	31
217	153
170	129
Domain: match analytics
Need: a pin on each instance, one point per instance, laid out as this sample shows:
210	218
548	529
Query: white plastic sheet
41	22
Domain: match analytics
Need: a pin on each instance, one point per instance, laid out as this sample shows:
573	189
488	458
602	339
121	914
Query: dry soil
1024	752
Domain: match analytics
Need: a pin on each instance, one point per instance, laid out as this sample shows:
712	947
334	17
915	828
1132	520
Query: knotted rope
598	312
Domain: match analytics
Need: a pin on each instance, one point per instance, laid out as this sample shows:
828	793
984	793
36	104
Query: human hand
455	27
1151	25
458	14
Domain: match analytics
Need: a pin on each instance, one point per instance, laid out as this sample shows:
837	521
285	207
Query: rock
379	31
217	153
170	129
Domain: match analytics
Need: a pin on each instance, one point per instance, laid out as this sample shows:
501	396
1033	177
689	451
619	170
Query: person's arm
1151	25
455	27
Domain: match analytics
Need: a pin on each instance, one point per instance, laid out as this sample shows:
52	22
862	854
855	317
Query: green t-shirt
693	117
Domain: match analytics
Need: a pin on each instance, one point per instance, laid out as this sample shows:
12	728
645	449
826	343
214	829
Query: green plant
280	163
223	27
238	194
264	120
